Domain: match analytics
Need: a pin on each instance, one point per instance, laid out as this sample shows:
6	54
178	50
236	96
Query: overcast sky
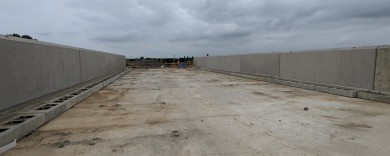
164	28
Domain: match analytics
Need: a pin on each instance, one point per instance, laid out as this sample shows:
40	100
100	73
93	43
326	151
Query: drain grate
14	122
46	107
65	98
58	101
18	120
3	129
75	93
62	99
24	117
105	79
43	108
92	85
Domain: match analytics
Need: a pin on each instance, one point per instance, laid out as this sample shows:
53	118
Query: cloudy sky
164	28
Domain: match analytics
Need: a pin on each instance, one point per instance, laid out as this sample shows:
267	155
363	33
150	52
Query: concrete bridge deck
193	112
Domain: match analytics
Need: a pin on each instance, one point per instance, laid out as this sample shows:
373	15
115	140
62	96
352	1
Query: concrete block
73	101
8	134
107	82
19	126
51	110
117	76
374	97
89	92
325	89
382	71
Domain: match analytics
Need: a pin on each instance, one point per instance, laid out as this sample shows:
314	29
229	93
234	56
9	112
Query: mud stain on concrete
88	142
107	95
120	147
230	85
295	93
212	81
266	95
362	112
330	117
157	121
355	126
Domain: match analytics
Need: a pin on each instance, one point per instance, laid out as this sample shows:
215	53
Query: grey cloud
44	33
186	27
117	38
213	37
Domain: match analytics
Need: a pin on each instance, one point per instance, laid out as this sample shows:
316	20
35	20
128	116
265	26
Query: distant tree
27	37
15	35
207	55
23	36
141	58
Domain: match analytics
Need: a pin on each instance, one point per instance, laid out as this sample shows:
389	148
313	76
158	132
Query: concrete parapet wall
196	61
30	69
230	63
346	67
213	62
382	71
260	64
92	64
202	61
362	68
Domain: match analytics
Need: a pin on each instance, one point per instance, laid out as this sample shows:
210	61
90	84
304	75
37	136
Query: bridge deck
192	112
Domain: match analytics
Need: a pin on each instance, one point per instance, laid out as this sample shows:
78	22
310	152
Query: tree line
21	36
181	59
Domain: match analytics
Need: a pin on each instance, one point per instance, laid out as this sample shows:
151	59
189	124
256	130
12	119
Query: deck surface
192	112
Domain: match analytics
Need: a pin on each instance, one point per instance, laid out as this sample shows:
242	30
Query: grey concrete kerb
305	85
